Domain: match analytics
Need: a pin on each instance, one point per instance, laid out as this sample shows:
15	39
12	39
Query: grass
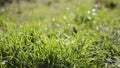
72	37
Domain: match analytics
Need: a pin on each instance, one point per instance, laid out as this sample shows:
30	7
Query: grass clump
86	40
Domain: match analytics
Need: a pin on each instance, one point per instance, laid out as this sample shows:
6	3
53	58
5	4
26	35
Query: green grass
62	38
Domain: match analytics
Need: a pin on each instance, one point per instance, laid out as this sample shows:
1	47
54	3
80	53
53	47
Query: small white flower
2	9
3	62
64	17
89	18
93	14
53	19
68	8
88	12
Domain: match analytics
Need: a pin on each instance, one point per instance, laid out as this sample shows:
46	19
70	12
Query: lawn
60	34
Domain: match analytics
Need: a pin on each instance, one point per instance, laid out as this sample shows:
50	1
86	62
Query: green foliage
87	39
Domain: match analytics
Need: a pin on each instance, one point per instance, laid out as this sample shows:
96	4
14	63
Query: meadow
60	34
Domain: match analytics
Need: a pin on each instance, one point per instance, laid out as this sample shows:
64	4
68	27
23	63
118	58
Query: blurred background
27	10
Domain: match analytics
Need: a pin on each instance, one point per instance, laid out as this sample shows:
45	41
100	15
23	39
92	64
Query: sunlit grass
60	36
